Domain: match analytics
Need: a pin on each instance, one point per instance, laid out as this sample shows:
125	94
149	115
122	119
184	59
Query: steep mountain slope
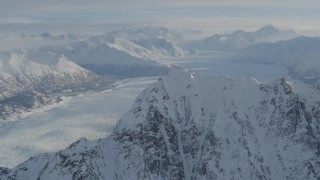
125	46
28	82
135	50
19	73
240	39
189	126
146	42
96	55
300	55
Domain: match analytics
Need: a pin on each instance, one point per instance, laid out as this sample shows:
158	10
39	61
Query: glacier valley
145	103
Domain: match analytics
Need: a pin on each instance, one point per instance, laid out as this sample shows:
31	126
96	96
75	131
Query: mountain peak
240	39
66	65
268	29
190	126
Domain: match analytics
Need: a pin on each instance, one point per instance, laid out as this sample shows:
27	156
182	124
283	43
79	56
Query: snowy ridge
101	58
153	49
240	39
124	46
67	66
135	49
300	55
189	126
28	82
96	55
18	64
151	43
95	51
19	73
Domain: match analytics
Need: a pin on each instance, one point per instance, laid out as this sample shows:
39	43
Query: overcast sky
27	16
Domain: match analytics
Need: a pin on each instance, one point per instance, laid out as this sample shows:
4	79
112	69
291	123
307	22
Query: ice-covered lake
94	115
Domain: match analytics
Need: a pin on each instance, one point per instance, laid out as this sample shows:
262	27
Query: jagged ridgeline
189	126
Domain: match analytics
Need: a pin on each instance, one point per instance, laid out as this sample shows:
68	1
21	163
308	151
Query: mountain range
127	52
240	39
190	126
299	55
44	67
147	42
184	126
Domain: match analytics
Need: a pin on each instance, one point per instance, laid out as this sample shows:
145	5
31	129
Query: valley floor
91	116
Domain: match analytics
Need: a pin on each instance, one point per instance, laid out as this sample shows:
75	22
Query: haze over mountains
300	55
240	39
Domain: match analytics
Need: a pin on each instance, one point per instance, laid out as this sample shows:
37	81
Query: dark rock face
192	127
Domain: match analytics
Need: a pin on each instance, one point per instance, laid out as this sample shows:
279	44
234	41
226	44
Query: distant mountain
146	42
29	82
128	52
300	55
240	39
189	126
32	77
97	56
136	49
168	34
43	68
143	43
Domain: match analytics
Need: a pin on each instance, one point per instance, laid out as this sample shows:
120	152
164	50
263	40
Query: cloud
101	15
225	24
9	42
18	20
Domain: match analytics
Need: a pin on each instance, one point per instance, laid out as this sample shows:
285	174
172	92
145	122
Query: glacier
91	114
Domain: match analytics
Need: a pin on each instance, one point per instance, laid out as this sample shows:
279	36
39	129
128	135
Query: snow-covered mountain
97	56
28	81
147	42
136	56
240	39
300	55
40	66
131	44
136	50
18	73
189	126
